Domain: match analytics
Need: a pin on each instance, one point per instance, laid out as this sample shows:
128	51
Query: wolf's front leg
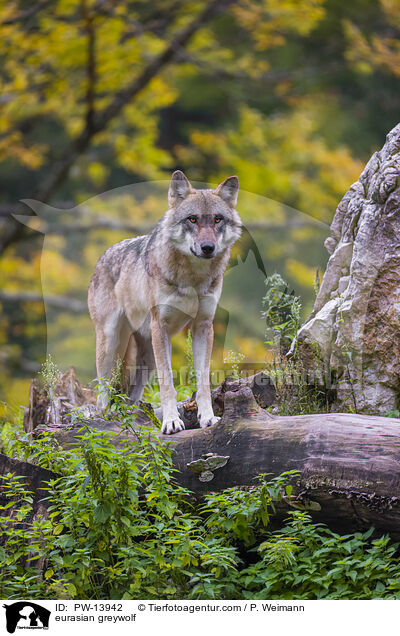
202	338
162	353
111	340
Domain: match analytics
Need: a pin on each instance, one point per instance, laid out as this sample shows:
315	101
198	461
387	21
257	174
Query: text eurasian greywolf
146	289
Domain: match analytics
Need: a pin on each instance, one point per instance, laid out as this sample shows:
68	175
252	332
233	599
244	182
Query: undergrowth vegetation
296	394
118	526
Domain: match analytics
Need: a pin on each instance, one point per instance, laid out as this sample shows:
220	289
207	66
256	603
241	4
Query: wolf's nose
207	248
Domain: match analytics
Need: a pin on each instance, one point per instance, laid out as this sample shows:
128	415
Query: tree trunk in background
353	333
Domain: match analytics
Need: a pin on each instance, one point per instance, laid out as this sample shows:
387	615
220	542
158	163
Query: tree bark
349	464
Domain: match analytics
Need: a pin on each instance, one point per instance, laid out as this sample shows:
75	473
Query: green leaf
102	512
353	575
71	589
58	529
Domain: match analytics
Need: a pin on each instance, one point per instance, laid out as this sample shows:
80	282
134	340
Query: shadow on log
349	464
36	479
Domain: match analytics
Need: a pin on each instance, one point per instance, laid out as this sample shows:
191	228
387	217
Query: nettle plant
304	560
50	375
118	525
234	359
281	311
282	314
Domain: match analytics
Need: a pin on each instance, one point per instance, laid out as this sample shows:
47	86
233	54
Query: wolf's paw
171	426
208	421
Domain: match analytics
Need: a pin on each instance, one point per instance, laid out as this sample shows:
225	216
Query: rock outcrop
352	336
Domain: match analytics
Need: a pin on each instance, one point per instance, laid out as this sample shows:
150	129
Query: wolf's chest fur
155	275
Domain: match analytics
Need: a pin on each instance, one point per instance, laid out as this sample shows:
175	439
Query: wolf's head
202	223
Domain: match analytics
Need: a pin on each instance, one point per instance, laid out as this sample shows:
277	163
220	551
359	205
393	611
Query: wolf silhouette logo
26	615
47	217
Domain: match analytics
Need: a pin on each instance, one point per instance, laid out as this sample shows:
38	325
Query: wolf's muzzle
207	249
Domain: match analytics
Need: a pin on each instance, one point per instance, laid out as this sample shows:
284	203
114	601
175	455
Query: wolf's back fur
146	289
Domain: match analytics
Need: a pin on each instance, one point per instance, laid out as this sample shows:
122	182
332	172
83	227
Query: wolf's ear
179	188
228	190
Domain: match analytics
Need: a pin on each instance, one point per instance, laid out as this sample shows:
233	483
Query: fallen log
35	480
349	464
69	394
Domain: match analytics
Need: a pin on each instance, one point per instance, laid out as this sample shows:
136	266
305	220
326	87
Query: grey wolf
146	289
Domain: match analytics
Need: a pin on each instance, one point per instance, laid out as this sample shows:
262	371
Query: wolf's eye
218	219
192	219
